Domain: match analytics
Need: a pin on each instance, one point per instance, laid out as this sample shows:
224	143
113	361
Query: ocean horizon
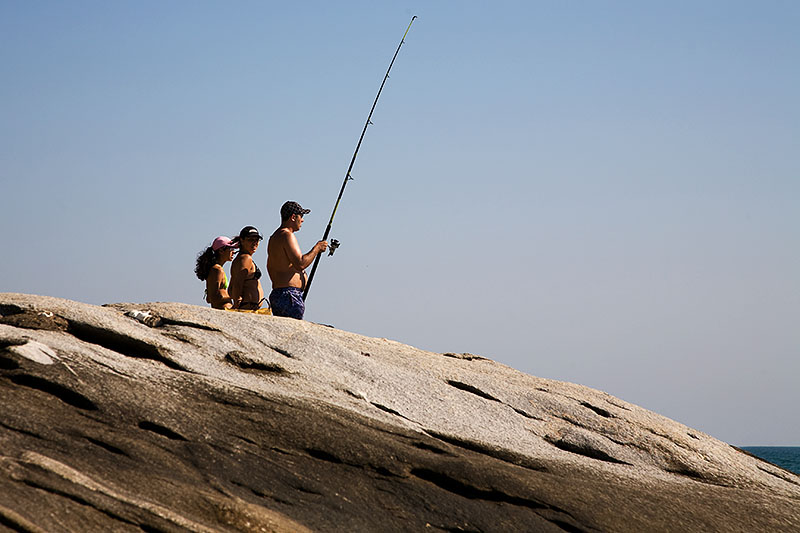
786	457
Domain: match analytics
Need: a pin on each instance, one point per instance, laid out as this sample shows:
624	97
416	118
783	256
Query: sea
787	457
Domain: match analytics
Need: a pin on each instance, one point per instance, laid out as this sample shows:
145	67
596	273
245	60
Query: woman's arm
240	270
217	294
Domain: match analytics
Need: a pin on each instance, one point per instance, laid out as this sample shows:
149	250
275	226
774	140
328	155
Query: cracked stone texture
192	419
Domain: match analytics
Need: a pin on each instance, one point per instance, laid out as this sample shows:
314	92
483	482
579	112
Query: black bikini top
257	273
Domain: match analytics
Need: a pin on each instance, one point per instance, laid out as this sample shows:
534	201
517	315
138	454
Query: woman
209	269
246	290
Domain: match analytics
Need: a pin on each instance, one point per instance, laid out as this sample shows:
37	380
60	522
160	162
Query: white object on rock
145	318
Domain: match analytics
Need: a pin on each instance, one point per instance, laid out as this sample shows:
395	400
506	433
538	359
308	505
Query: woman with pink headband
209	269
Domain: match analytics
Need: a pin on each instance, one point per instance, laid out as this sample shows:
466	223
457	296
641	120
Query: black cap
249	231
292	208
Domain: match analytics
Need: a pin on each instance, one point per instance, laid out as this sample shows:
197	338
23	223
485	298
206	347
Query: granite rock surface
171	417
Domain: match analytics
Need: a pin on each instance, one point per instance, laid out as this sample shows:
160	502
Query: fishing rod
347	177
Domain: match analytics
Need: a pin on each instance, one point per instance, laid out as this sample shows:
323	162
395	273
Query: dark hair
205	260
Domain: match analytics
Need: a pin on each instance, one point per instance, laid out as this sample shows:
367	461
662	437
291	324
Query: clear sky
606	193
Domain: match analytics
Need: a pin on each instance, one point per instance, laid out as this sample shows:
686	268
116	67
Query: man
245	287
286	263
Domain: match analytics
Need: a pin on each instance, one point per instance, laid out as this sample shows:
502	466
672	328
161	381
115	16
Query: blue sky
599	192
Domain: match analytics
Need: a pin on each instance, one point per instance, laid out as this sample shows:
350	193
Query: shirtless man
245	287
286	263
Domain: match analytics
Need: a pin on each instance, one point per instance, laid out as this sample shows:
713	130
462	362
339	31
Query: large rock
171	417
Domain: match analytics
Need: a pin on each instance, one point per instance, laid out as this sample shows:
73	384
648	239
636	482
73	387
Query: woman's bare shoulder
216	273
242	261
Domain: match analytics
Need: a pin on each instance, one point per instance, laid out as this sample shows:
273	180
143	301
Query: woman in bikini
245	288
209	269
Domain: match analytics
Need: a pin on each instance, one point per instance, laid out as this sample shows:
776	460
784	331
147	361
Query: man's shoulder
282	234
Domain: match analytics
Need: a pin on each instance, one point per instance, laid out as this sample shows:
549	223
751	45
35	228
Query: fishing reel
333	246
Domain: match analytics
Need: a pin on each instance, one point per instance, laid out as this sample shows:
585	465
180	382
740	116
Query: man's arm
296	257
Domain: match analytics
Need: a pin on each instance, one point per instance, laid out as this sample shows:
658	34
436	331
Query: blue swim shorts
287	301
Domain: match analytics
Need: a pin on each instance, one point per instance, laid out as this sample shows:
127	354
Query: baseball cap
249	231
292	208
223	242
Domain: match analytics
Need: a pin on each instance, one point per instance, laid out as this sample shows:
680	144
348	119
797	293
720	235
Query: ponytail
205	260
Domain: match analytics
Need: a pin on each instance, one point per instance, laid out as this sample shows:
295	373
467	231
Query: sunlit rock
171	417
